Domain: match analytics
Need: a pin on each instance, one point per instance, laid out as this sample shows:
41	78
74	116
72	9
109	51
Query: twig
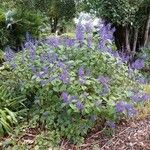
96	133
63	144
114	138
89	144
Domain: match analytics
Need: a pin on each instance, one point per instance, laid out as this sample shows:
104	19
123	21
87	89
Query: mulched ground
130	135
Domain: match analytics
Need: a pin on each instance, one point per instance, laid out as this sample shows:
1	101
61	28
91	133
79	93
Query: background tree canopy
128	16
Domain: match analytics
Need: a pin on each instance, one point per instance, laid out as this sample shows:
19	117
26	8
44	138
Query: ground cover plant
73	85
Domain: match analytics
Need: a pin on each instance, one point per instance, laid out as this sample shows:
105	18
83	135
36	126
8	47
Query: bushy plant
15	22
71	85
9	109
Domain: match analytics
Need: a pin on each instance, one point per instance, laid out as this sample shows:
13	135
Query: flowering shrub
72	84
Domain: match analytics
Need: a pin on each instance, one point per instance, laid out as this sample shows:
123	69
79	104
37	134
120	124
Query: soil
129	135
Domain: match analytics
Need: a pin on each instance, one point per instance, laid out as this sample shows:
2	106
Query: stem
127	42
136	31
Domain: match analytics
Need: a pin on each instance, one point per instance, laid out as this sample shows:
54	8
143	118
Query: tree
128	16
55	10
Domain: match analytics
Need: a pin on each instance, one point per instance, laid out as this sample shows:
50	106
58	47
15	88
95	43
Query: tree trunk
127	41
136	31
54	25
146	31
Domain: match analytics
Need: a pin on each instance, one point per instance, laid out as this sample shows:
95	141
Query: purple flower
9	54
64	77
79	105
40	74
53	41
81	72
65	97
45	69
136	98
32	51
124	57
43	58
141	80
120	107
125	107
80	32
88	27
103	80
145	97
138	64
106	34
139	97
61	65
69	42
130	110
52	57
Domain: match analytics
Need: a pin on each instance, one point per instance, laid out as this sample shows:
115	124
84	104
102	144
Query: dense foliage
71	85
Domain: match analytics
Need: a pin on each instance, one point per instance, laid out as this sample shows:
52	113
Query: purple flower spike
65	97
138	64
139	97
61	65
145	97
64	77
120	107
45	69
103	80
9	55
80	32
130	110
54	41
81	72
106	34
88	27
69	42
32	51
79	105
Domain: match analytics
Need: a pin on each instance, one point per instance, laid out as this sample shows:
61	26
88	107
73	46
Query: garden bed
129	134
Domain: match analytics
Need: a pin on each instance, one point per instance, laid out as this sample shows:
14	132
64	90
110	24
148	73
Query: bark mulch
129	135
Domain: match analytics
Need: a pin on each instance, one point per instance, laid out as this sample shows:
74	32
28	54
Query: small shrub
73	84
